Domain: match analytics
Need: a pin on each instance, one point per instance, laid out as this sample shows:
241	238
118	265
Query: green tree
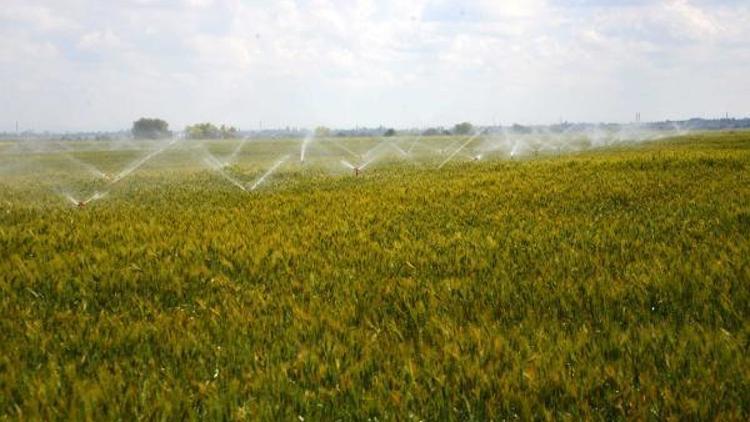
210	131
390	132
202	131
228	132
322	132
464	128
516	128
145	128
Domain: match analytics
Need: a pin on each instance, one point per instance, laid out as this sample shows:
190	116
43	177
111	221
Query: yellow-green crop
609	284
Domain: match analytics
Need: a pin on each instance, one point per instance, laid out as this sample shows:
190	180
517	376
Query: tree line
154	128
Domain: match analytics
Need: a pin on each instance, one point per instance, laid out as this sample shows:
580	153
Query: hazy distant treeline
210	131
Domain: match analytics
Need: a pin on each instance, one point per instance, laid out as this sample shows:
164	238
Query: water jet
268	173
450	157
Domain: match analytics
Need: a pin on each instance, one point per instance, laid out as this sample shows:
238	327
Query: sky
72	65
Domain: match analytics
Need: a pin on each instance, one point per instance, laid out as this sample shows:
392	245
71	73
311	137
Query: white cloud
199	3
515	8
38	17
20	50
366	61
693	21
99	41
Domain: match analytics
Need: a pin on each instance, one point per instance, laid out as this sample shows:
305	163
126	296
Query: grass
607	284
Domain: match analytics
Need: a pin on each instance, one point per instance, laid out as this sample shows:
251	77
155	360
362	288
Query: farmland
611	281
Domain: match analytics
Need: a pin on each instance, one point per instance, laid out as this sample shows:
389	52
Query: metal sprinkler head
356	171
81	204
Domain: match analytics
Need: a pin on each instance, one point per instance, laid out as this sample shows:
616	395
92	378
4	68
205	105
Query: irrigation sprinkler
111	179
450	157
357	169
82	203
484	148
351	167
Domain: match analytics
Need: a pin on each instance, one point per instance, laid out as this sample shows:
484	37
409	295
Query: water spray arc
123	174
82	203
413	144
345	149
268	173
305	142
398	149
233	156
379	145
72	200
516	148
351	167
348	164
480	146
89	167
216	165
138	163
450	157
357	169
367	163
